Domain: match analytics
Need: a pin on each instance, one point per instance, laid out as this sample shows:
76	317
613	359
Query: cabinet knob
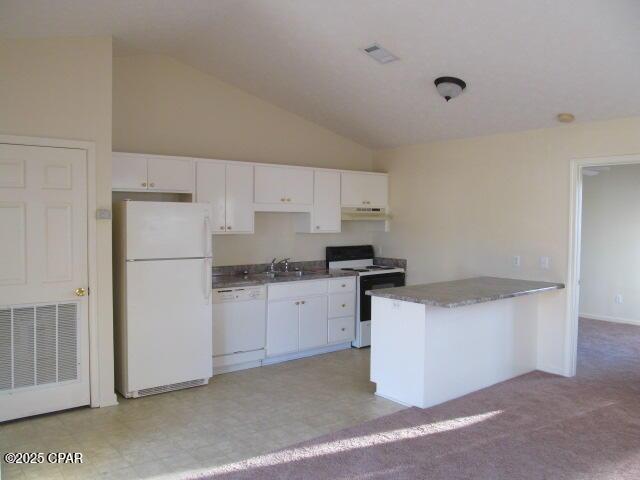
229	227
303	302
343	329
144	184
152	184
282	199
297	303
344	285
344	305
317	227
288	199
221	227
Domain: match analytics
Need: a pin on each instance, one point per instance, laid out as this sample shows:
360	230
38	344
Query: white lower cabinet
313	323
282	327
300	317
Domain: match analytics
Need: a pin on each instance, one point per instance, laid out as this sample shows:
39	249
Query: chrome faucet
284	262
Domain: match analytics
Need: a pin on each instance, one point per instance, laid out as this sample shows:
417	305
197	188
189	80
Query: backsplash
303	265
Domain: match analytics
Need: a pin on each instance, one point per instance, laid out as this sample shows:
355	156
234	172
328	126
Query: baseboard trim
607	318
307	353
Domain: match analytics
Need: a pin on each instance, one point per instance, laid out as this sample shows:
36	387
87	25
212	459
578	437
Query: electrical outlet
545	263
516	260
619	299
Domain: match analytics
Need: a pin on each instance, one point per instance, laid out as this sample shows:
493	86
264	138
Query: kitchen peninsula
435	342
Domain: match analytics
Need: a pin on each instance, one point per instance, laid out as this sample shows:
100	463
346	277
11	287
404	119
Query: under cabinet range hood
365	213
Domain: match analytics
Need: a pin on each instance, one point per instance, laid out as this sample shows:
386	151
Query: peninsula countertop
469	291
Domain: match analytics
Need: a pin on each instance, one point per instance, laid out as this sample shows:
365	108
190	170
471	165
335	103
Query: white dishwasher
239	328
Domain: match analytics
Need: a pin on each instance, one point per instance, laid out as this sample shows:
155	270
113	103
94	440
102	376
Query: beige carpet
537	426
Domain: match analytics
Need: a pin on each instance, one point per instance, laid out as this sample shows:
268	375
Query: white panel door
170	174
128	172
364	190
282	327
270	184
211	188
313	322
240	214
298	185
44	335
326	202
168	322
168	230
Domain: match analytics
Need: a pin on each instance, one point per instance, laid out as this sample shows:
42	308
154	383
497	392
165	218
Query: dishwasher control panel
239	294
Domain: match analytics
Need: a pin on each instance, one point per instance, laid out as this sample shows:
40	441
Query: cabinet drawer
342	304
346	284
342	329
298	289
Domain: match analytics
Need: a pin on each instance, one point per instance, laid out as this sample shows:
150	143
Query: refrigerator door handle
207	236
207	280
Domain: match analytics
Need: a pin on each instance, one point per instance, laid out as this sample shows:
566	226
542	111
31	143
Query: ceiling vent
379	54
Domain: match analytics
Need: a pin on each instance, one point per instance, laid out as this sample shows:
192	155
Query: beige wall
464	207
611	244
61	88
163	106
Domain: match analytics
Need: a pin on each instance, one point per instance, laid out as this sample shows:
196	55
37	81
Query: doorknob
80	292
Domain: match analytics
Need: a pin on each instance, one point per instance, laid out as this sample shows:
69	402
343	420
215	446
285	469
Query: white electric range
359	259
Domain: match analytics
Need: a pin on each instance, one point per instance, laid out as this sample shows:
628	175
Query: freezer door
168	322
168	230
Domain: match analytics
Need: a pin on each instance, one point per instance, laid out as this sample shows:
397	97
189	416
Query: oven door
373	282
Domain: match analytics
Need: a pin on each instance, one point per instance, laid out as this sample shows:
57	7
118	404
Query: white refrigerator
163	312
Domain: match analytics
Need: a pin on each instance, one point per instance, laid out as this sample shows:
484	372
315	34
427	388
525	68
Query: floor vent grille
38	345
170	388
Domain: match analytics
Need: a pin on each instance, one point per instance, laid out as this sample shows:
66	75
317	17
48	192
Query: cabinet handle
144	184
152	184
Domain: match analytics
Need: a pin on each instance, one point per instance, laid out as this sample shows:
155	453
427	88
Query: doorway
44	279
591	167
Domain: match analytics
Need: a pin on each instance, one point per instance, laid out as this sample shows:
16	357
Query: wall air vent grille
379	54
38	345
170	388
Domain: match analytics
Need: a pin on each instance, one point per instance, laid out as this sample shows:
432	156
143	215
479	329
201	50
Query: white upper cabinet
150	173
170	174
129	172
289	187
229	189
211	188
361	189
326	202
240	213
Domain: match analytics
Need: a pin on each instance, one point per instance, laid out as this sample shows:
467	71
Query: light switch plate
516	260
545	263
103	214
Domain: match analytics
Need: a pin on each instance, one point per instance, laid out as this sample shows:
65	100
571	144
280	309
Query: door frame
575	240
92	262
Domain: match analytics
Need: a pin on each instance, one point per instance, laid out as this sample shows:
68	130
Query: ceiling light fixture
449	87
565	117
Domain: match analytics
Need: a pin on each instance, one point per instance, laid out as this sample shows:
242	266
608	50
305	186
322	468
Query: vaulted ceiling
524	61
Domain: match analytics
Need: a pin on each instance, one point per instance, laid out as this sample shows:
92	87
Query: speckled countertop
241	280
469	291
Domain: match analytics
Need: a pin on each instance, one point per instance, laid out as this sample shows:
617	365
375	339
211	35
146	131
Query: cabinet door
240	213
282	327
128	172
364	190
170	174
269	184
313	322
210	188
298	186
326	202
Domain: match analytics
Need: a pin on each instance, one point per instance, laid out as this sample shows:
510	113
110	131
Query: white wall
464	207
163	106
61	88
610	263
